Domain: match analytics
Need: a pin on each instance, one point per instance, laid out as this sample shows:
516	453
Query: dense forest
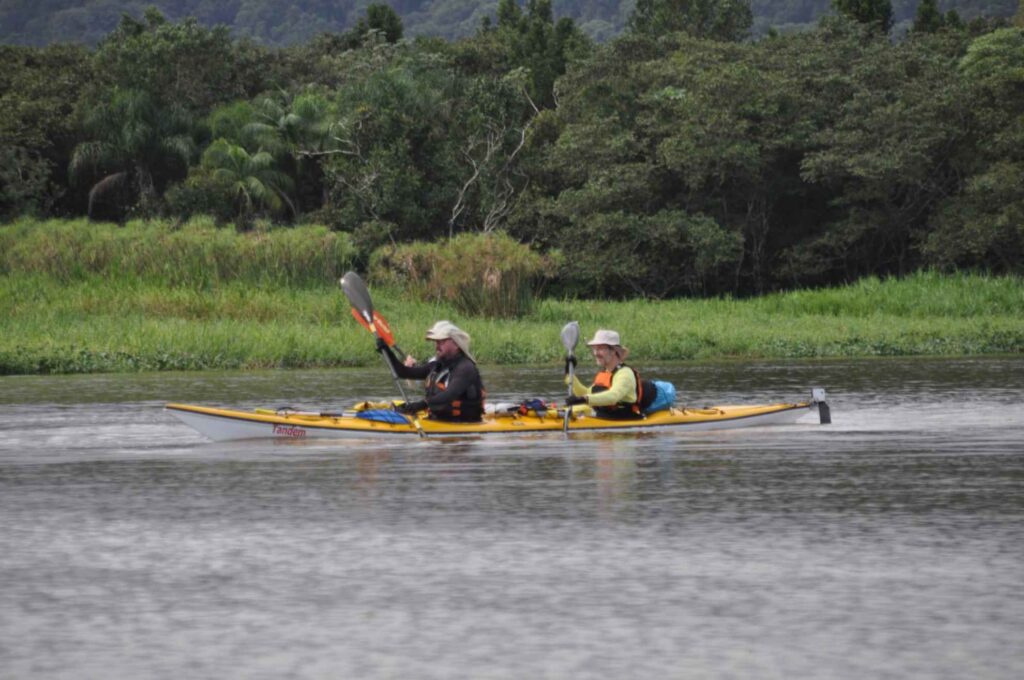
680	158
287	22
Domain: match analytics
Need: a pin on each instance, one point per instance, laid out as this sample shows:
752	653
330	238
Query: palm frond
88	157
260	161
217	156
224	176
181	146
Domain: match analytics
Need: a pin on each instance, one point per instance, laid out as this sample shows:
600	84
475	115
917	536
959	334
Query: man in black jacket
454	390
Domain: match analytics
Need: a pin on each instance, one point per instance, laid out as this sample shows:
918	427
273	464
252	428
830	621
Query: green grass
84	323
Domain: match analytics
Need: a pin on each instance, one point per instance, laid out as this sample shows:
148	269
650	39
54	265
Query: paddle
359	297
383	329
570	336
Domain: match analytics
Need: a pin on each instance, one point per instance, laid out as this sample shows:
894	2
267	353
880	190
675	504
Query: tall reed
196	254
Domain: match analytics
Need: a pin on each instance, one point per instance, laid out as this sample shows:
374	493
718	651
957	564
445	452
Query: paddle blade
379	323
383	328
359	317
570	336
358	295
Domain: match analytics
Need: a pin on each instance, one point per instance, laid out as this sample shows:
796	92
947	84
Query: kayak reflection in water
454	389
617	391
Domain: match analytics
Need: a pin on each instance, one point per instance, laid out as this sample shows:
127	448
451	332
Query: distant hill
284	22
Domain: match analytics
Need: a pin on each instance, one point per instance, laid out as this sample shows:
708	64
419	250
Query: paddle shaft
568	409
398	384
394	375
570	336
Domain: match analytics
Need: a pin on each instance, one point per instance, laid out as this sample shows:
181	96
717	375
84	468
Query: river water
889	544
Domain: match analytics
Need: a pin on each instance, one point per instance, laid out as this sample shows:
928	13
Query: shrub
199	194
484	274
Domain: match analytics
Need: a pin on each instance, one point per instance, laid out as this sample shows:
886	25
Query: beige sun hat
610	338
445	330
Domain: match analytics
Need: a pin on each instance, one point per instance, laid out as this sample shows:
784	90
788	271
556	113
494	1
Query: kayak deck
227	424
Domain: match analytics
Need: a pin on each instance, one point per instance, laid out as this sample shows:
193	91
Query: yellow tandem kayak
226	424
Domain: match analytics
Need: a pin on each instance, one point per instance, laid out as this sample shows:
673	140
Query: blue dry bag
665	397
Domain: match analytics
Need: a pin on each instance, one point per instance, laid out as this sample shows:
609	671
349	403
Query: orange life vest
603	382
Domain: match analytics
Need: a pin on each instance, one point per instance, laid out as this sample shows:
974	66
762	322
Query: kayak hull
229	424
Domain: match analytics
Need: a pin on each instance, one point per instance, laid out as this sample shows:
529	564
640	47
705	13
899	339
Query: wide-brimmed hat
610	338
446	330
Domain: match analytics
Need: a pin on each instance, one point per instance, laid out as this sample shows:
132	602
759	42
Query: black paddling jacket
455	390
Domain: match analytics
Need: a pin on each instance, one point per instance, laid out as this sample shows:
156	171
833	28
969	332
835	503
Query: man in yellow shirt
617	389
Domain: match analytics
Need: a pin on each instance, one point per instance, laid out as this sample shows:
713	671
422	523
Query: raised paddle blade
363	311
358	316
358	295
570	336
383	329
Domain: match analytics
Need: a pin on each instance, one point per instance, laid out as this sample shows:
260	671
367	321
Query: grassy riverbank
89	324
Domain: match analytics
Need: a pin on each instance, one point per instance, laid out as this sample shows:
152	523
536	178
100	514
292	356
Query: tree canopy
676	159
